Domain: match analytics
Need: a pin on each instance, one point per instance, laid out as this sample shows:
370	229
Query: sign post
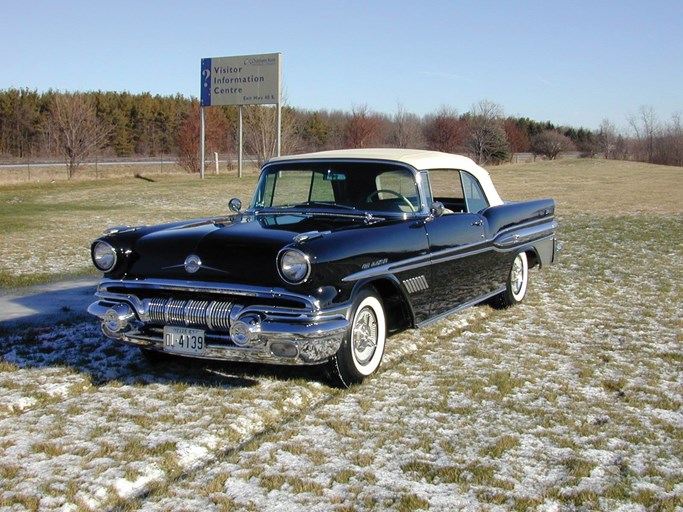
243	80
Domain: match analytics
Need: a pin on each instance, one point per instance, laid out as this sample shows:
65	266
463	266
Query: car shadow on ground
47	326
78	345
46	303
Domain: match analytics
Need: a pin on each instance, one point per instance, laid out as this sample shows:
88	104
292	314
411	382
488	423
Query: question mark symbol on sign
207	75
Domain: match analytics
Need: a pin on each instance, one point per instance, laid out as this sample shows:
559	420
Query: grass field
46	228
37	173
571	401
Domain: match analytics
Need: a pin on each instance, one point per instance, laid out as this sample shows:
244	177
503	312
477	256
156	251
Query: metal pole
279	106
201	149
279	127
239	151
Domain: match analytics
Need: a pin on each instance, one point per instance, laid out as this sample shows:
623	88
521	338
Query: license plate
182	340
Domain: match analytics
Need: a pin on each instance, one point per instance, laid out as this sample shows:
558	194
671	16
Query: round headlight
103	256
294	266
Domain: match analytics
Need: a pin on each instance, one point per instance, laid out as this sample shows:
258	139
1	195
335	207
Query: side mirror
235	205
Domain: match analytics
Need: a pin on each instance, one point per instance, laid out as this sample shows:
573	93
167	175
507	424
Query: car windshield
363	186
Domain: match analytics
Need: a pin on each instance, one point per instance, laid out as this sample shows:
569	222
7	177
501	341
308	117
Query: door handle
478	223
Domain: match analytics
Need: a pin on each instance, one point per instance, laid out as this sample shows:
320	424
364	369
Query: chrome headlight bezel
104	256
293	265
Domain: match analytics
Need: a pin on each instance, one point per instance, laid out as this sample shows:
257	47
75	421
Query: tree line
76	126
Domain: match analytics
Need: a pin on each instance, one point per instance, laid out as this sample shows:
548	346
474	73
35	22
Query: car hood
241	250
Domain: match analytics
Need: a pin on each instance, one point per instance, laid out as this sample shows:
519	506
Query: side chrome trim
534	231
460	308
525	235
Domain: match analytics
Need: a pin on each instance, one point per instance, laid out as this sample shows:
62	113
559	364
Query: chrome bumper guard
233	331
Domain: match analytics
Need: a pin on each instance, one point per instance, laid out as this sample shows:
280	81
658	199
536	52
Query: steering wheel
388	191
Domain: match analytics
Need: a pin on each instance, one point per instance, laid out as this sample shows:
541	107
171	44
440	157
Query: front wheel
362	349
516	285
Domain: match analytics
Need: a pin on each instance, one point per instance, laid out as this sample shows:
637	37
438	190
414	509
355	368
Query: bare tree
672	141
260	132
444	131
335	126
550	144
363	129
517	138
76	130
645	127
607	139
189	135
406	129
487	136
188	142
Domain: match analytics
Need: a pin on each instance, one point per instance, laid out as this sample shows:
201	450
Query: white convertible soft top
420	159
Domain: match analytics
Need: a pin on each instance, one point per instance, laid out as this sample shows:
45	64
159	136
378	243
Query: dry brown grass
46	228
597	186
48	173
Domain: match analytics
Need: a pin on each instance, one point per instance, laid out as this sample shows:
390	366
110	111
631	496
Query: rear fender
509	215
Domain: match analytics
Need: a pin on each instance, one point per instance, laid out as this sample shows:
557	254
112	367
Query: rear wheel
362	349
516	286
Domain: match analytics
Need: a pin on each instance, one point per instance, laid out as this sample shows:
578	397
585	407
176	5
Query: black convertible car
335	250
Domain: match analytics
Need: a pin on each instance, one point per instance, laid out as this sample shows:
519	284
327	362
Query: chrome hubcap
364	336
517	275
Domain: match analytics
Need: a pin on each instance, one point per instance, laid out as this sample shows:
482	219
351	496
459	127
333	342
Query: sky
571	63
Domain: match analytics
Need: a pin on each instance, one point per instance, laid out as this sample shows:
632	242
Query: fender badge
192	264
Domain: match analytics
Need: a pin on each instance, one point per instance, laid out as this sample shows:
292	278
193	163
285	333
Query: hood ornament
192	264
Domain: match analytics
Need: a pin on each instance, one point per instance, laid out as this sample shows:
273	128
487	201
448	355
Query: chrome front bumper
236	326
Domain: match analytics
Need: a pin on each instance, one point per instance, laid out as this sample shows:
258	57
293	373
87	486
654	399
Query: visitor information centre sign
245	80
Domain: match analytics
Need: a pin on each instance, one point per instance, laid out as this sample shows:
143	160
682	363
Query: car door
458	251
461	256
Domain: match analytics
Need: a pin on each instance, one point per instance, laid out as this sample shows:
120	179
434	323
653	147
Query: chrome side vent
416	284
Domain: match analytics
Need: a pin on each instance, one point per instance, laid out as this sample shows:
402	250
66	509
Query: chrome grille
208	314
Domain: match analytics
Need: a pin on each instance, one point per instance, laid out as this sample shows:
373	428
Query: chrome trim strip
528	233
531	232
460	308
206	287
460	252
420	261
390	268
207	267
309	313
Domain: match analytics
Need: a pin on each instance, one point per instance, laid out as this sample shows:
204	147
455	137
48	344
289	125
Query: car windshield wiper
329	204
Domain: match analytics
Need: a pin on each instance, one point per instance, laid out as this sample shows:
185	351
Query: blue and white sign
245	80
